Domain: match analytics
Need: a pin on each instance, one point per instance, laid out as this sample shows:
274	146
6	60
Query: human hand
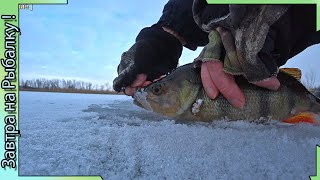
139	82
216	81
156	52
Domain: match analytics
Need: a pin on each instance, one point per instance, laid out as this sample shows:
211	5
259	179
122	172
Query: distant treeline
62	85
76	86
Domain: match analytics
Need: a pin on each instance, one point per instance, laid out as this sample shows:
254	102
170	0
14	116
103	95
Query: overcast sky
84	41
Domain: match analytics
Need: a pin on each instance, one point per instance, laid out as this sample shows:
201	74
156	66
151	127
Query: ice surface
78	134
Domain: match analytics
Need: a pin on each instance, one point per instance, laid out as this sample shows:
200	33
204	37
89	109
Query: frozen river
107	135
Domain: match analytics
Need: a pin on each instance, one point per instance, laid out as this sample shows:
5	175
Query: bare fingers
207	82
272	83
224	82
138	82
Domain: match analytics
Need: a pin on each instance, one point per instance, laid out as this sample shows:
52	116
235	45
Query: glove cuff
156	32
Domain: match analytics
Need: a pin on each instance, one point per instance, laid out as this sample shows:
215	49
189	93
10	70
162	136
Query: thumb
271	83
125	78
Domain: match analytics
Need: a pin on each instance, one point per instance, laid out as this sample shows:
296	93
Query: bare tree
23	83
101	87
310	79
108	87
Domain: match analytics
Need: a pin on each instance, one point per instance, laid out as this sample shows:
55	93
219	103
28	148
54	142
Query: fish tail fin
304	117
312	116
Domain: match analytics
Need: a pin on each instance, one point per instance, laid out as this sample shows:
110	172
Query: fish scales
259	104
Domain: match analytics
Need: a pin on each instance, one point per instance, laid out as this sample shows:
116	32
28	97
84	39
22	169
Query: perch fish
180	95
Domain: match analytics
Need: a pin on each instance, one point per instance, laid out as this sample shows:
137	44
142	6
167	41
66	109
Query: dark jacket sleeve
294	32
177	15
291	34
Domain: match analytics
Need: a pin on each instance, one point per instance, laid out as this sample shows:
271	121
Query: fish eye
157	89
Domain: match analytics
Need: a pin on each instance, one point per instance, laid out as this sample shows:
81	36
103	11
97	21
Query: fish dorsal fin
294	72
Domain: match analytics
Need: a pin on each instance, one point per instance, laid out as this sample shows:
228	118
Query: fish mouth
137	103
140	99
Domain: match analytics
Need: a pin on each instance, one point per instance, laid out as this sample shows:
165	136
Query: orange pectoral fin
305	117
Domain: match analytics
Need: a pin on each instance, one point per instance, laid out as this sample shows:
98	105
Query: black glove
156	52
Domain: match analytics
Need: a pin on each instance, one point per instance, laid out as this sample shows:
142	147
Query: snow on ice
107	135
